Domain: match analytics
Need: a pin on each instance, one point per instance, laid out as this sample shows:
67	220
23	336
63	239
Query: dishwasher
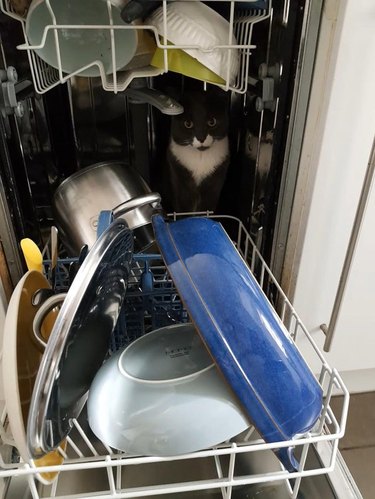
57	121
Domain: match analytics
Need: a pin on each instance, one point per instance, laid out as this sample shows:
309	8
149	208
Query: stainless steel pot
104	186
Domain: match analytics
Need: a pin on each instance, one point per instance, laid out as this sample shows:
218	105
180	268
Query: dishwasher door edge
341	479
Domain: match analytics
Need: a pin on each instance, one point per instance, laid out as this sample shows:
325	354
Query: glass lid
80	339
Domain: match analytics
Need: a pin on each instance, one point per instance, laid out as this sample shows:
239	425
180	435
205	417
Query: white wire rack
92	469
45	77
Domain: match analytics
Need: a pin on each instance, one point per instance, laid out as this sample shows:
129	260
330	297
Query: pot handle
138	202
42	313
161	101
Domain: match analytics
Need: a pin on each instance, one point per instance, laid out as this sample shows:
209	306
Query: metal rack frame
85	454
46	77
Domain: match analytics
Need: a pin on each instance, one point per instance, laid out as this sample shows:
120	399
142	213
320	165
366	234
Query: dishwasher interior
67	122
66	127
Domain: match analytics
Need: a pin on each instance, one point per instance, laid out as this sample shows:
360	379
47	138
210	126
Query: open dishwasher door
72	123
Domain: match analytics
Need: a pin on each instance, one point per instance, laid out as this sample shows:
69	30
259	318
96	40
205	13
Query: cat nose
201	138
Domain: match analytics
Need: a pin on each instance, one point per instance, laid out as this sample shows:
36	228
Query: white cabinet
337	145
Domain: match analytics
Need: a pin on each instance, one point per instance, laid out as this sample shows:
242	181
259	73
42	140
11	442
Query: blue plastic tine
105	219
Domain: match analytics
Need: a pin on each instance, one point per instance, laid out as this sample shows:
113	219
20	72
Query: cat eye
188	124
211	122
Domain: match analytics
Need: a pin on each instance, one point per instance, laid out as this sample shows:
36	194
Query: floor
358	444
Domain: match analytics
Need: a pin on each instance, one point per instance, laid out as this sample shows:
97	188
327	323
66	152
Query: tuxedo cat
198	153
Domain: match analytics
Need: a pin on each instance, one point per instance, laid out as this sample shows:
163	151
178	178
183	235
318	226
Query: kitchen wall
337	144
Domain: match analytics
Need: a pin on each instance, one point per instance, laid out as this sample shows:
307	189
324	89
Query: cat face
204	120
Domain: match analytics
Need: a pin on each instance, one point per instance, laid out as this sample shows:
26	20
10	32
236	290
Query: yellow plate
183	63
21	358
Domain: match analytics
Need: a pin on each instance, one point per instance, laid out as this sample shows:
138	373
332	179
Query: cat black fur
198	155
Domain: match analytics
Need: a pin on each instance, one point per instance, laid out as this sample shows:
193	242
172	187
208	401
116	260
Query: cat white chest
201	163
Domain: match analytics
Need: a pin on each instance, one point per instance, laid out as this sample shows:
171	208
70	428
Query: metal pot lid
80	339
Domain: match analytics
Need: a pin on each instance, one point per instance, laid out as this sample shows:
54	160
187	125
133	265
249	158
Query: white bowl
163	396
194	23
80	47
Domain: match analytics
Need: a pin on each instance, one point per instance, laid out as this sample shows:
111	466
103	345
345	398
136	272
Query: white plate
194	23
21	359
170	398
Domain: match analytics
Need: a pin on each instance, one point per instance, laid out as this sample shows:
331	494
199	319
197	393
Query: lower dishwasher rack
243	467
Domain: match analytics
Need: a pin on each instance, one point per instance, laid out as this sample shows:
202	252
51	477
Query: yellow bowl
183	63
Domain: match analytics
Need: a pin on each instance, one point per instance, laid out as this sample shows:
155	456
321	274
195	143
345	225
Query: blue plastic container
242	331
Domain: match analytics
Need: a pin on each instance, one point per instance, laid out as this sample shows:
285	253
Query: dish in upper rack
80	47
181	62
22	355
20	7
194	23
242	331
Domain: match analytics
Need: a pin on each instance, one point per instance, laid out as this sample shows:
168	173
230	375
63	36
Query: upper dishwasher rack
241	22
